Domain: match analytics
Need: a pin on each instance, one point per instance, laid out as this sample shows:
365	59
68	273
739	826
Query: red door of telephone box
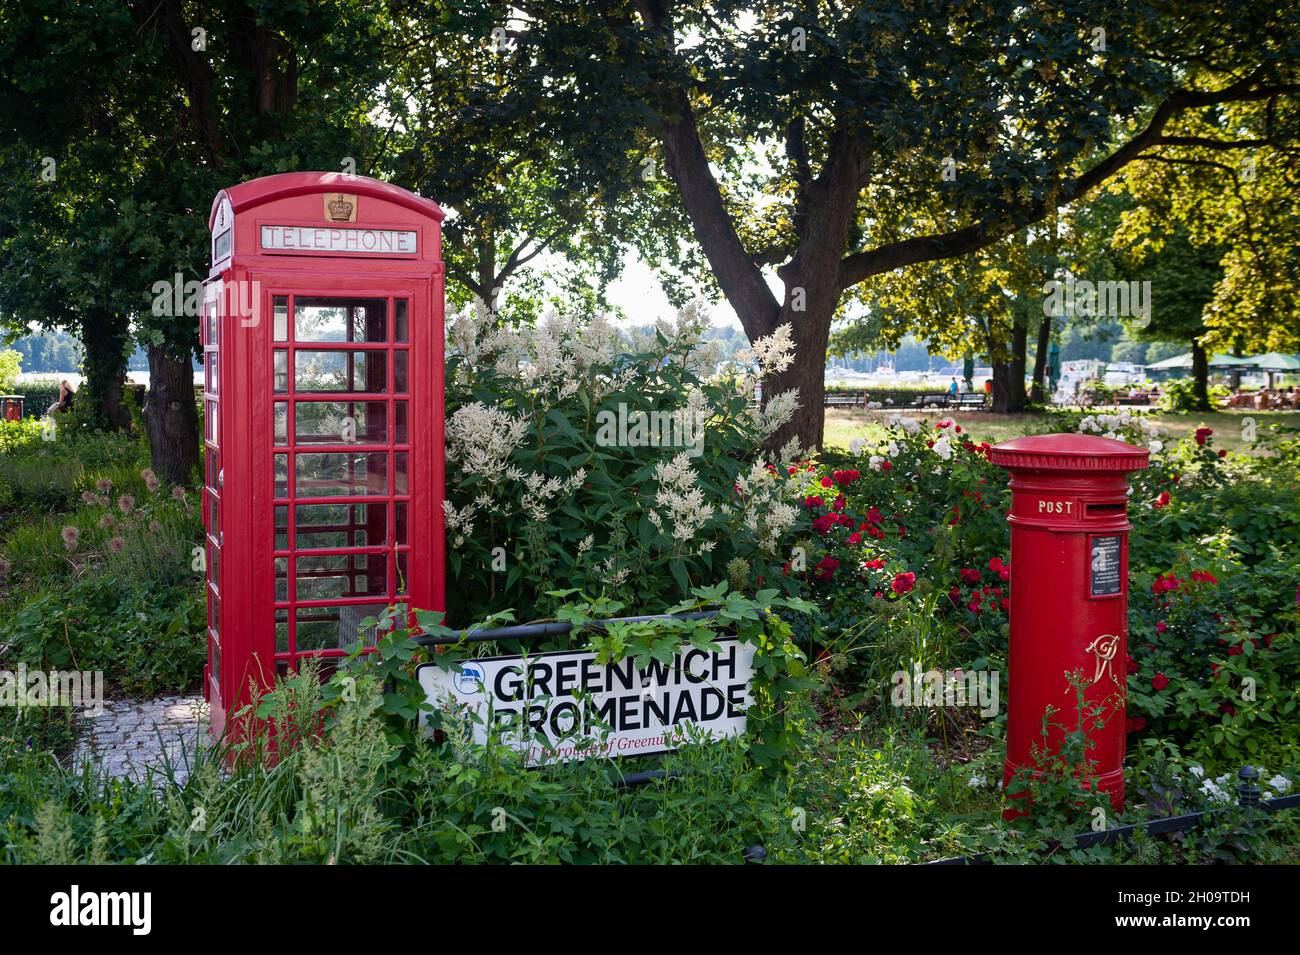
323	397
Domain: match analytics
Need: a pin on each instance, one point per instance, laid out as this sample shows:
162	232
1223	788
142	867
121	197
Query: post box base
1111	783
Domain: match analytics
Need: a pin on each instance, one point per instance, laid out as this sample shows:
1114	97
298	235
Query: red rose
827	482
1005	573
1159	681
839	503
954	595
995	564
1163	499
1004	605
826	568
846	477
813	500
903	582
854	538
1161	626
822	524
969	575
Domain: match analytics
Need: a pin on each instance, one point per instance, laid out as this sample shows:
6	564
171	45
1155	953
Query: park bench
969	401
932	400
845	399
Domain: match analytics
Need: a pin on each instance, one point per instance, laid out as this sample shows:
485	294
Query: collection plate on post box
1105	566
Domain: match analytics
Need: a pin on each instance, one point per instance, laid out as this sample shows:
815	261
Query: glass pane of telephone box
340	370
321	319
341	422
334	474
325	526
326	576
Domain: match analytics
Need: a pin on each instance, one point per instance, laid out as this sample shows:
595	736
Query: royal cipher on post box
322	330
1069	598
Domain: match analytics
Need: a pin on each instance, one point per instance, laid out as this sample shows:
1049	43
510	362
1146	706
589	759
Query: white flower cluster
876	462
482	439
1219	789
460	524
772	354
682	501
943	448
910	425
547	355
777	413
762	510
1139	428
540	490
688	327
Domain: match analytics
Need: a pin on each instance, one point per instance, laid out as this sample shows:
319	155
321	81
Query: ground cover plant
847	567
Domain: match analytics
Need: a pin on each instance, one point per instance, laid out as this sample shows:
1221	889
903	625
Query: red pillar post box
1069	594
322	329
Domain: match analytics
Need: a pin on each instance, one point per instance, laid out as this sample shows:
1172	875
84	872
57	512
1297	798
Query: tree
1239	203
522	171
850	119
148	109
1144	244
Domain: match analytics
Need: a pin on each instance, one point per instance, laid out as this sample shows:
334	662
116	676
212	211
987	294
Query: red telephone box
1069	595
322	329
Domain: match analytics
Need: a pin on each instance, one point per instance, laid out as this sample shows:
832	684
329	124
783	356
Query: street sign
563	706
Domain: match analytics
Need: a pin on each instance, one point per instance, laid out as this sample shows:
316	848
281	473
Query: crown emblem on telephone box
340	207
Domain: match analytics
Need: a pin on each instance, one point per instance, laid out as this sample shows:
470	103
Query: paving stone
132	736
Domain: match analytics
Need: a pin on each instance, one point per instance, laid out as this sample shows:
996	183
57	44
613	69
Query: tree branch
739	277
862	265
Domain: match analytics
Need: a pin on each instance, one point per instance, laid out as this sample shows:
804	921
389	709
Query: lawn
843	425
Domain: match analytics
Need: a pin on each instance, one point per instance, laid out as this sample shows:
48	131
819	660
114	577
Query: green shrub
146	637
1179	394
544	492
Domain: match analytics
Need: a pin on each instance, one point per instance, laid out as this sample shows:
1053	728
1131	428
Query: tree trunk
1016	396
172	417
1038	390
1009	372
807	373
1201	376
104	336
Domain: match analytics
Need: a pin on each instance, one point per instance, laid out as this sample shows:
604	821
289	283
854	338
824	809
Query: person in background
66	394
952	388
963	386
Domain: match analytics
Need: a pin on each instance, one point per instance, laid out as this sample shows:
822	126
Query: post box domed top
1069	452
256	192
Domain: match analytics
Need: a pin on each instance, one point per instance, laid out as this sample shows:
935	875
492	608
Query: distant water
76	378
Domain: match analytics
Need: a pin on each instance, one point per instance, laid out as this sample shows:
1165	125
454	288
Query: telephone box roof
256	192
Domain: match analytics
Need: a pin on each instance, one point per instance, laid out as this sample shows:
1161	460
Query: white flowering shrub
581	459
